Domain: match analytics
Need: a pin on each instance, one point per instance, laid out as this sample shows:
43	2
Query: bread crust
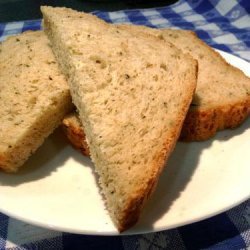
74	132
202	124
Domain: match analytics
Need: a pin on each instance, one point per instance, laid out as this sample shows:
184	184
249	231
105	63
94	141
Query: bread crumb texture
34	97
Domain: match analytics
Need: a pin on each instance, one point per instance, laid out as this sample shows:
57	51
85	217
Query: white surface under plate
57	187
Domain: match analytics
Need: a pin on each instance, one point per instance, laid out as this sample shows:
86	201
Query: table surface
223	24
15	10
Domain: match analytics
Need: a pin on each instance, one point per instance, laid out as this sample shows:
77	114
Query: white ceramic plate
57	188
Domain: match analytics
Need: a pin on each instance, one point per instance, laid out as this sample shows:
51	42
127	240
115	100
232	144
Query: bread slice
34	97
222	97
132	93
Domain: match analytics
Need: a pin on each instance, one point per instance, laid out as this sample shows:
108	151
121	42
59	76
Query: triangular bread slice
132	93
34	97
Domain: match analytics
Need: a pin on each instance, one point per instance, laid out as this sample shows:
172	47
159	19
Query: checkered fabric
224	24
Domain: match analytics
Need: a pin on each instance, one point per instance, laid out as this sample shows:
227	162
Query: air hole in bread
163	66
98	60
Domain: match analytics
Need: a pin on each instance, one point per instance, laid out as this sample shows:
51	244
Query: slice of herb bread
132	93
222	97
34	97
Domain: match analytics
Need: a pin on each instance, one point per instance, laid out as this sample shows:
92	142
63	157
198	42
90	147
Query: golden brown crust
74	132
202	124
3	163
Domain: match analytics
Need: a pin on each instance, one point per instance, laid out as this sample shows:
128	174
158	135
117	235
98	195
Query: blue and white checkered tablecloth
224	24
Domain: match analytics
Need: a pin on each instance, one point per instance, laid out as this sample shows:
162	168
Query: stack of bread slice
135	89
